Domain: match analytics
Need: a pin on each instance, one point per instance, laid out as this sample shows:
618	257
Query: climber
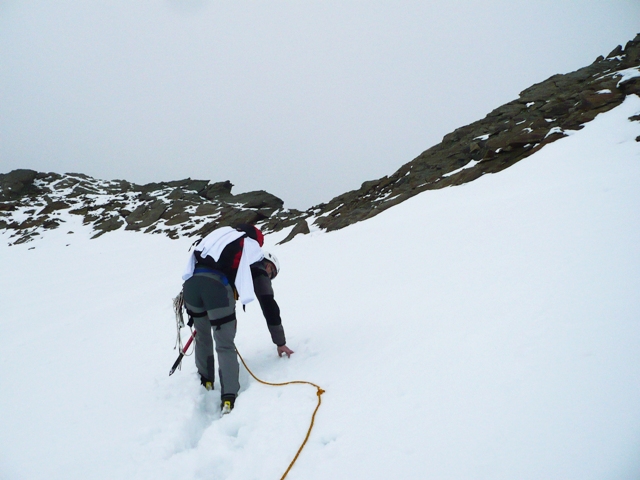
226	265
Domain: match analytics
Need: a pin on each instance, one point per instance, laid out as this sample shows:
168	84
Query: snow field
488	331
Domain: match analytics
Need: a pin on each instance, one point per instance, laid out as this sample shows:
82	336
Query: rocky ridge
541	115
34	202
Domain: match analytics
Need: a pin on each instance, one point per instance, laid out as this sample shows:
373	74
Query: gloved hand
284	350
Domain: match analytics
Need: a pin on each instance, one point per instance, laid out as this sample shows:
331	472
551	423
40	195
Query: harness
206	271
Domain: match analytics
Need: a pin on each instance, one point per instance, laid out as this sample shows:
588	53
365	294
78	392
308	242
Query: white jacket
213	244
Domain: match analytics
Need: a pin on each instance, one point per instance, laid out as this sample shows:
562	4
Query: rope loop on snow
319	392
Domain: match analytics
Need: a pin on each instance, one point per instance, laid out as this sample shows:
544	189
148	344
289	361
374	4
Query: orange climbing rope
313	417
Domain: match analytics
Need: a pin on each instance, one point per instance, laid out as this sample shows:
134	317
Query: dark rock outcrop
180	208
13	184
302	227
508	134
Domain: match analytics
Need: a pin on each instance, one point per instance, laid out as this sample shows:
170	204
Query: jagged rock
177	206
233	216
302	227
207	209
112	207
206	229
514	139
631	86
13	183
145	215
188	184
48	176
615	52
177	214
180	194
83	189
178	219
80	210
108	225
219	190
35	222
172	234
8	207
65	183
53	206
259	199
148	188
90	218
26	238
592	99
118	186
81	175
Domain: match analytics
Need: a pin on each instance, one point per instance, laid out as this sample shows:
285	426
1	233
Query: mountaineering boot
227	403
206	383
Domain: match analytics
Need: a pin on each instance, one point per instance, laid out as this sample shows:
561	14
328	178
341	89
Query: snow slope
488	331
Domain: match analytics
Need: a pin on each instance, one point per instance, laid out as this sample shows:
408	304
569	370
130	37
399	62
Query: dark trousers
210	294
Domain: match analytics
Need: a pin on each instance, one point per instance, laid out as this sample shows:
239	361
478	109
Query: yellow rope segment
313	417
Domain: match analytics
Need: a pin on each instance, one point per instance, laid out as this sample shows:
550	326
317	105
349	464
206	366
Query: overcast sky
304	99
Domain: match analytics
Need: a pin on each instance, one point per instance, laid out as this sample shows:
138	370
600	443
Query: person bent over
226	265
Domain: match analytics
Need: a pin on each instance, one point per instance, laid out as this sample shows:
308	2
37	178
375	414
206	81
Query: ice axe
184	350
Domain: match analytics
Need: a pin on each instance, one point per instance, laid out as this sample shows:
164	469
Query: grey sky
304	99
